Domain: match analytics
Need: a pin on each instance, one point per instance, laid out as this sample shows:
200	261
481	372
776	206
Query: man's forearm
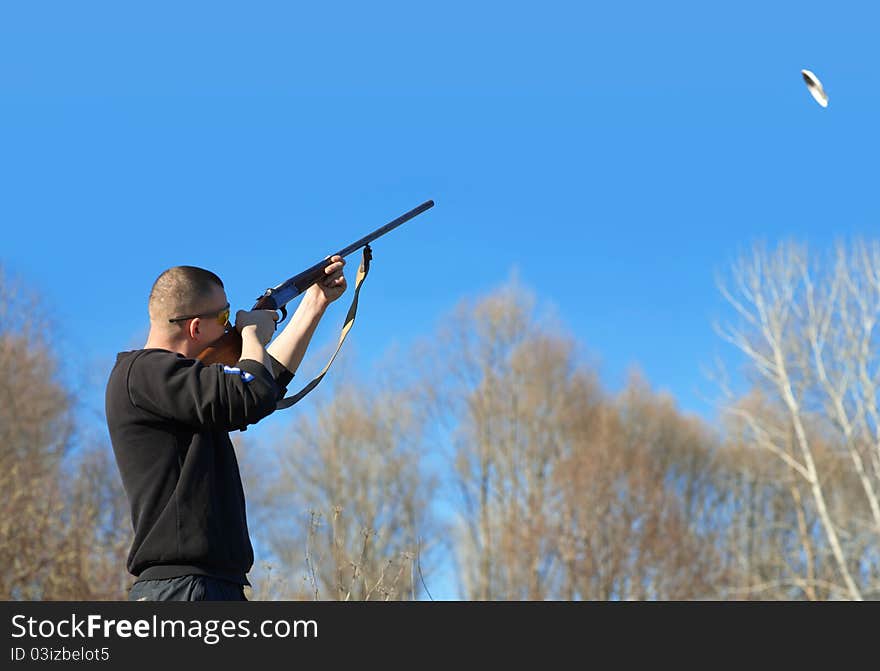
252	348
289	347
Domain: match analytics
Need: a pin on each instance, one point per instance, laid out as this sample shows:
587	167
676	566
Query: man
170	416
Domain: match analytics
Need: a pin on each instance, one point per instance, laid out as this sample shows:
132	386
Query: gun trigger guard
283	314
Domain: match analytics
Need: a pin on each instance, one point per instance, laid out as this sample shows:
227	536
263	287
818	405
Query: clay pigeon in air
815	88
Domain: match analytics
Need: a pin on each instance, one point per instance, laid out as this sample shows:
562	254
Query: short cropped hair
181	290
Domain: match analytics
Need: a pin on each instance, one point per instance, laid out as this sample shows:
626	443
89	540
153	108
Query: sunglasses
222	316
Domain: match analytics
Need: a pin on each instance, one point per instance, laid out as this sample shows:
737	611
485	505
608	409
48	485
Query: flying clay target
815	88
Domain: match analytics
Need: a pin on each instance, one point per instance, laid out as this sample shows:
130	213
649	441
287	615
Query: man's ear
195	328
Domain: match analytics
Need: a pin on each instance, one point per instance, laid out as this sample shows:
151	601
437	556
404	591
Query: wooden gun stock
227	350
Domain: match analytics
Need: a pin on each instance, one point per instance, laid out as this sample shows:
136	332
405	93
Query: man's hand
325	291
289	347
259	322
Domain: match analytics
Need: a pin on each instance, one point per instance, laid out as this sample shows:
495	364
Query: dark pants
186	588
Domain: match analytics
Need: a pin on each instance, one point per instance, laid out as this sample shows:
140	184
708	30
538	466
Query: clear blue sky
617	154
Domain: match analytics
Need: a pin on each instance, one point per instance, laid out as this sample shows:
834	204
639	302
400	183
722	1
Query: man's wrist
315	305
250	337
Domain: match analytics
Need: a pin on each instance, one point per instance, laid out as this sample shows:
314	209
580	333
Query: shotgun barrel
227	349
277	297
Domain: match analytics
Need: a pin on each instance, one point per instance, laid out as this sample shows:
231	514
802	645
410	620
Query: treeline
495	450
64	527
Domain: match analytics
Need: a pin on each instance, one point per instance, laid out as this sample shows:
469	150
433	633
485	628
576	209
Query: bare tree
63	520
808	332
566	492
641	502
348	509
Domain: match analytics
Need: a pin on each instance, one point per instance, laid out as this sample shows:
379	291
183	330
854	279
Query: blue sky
617	155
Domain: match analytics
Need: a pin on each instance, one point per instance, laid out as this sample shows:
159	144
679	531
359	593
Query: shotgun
227	350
